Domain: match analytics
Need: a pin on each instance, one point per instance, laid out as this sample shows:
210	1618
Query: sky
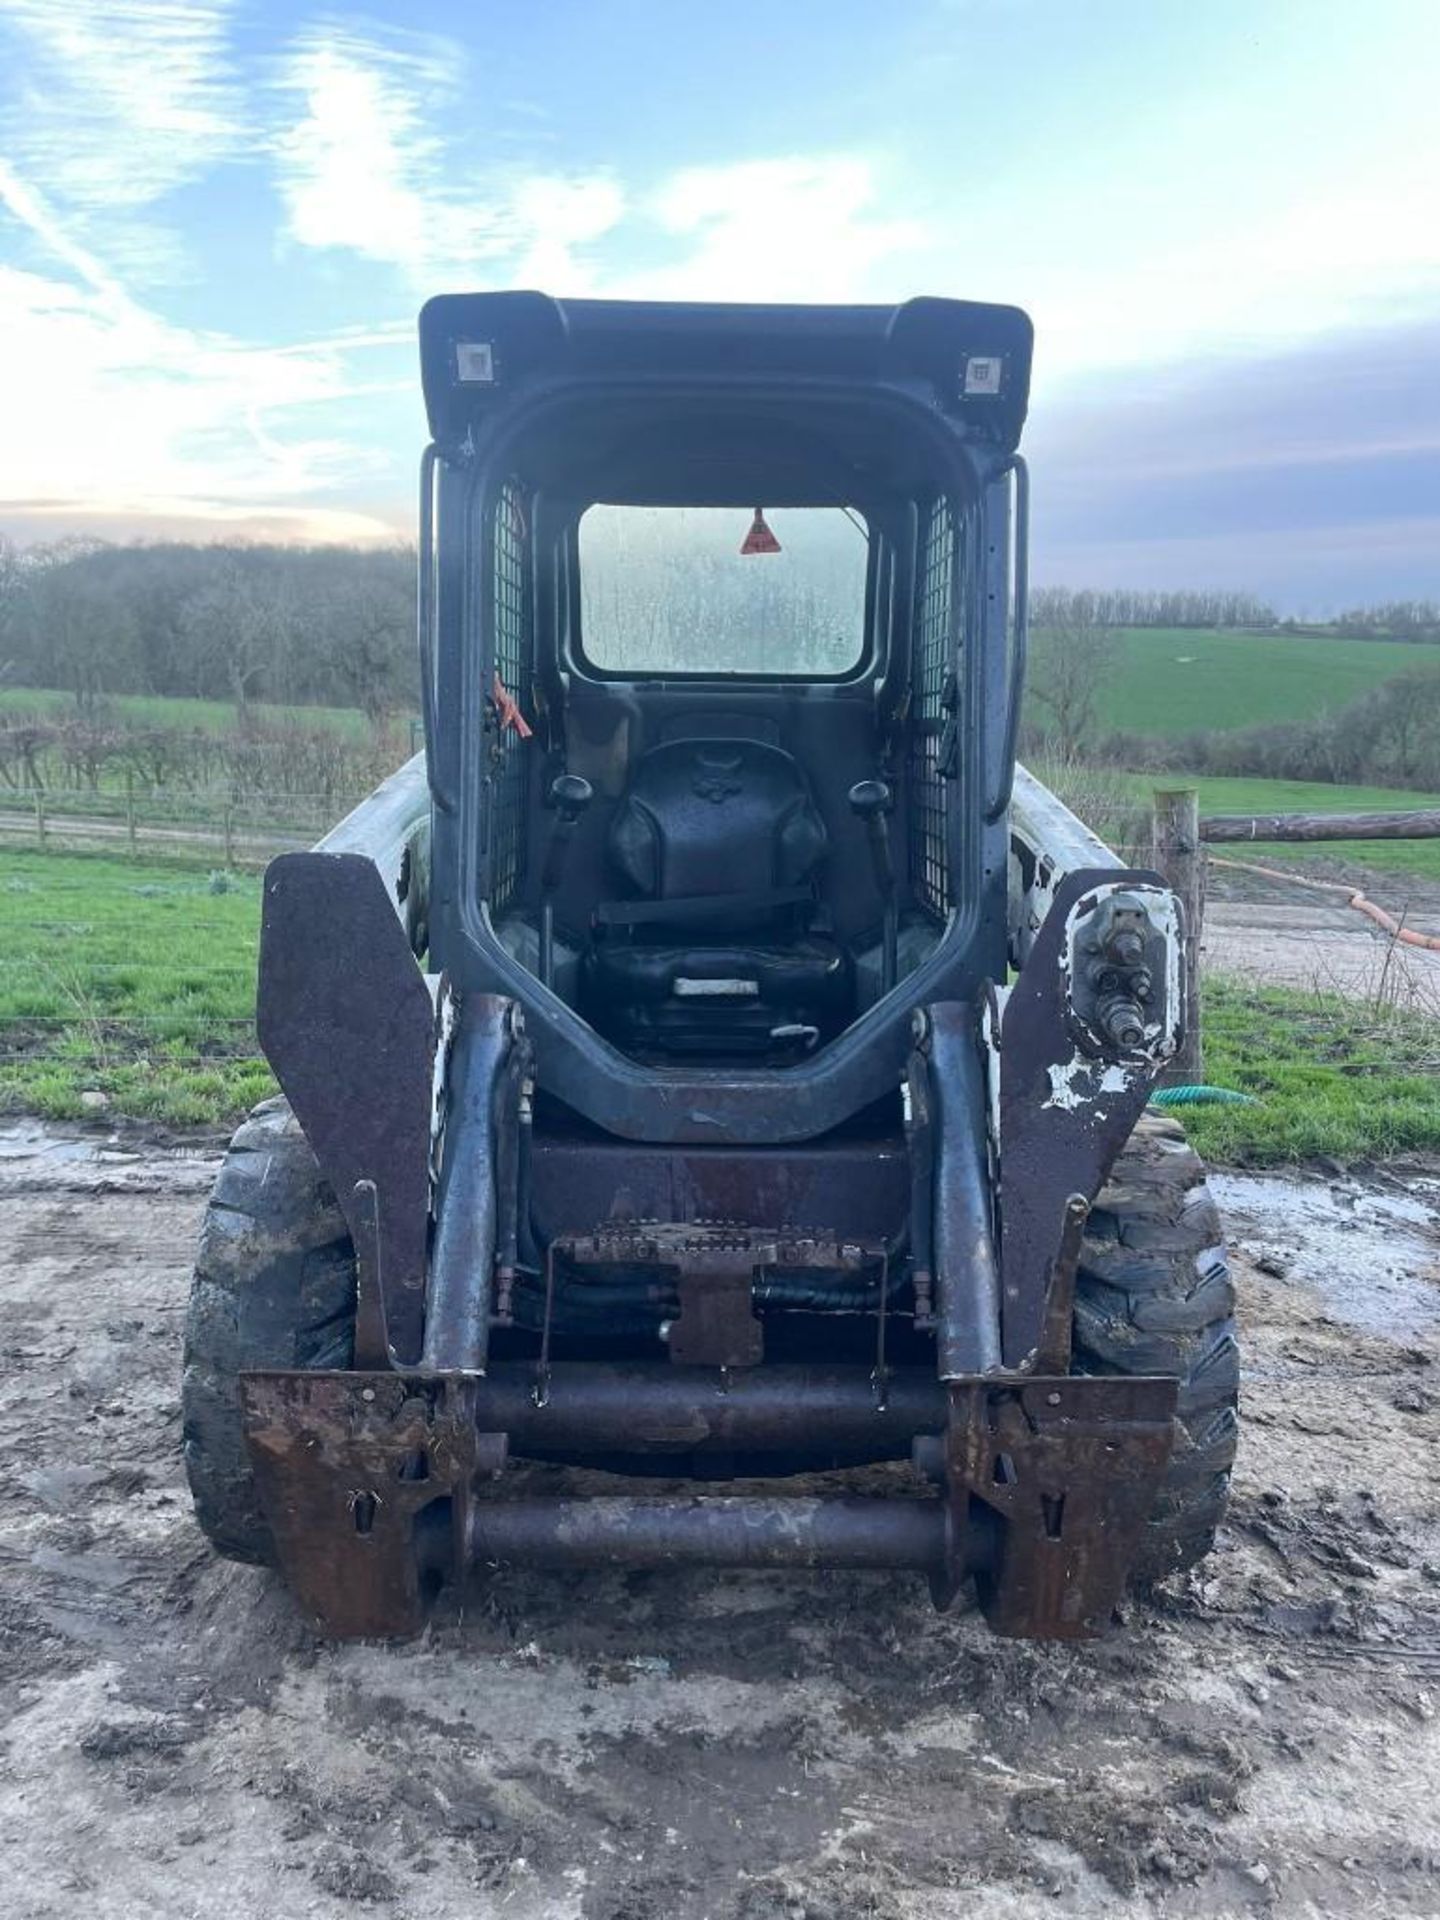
218	219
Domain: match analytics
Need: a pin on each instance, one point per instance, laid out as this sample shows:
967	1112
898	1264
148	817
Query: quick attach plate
348	1465
1071	1467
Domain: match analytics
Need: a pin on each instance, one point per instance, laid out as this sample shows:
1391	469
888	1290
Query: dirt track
172	1743
1321	945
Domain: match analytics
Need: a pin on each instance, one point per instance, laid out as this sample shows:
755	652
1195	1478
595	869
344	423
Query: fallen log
1418	823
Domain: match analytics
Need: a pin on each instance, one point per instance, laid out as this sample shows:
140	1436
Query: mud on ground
1262	1740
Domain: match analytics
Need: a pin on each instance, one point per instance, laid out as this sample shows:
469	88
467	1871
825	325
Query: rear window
668	590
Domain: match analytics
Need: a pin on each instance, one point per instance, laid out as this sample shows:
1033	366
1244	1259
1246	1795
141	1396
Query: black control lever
570	794
871	802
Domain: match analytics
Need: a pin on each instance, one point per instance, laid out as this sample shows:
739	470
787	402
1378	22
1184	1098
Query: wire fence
241	831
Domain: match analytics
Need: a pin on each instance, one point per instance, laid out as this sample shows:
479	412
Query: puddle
32	1140
62	1488
36	1155
1372	1257
106	1570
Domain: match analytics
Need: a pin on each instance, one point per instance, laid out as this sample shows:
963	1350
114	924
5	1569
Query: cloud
194	519
116	103
360	170
1208	271
354	165
126	98
793	228
1311	475
30	212
1174	266
1307	572
362	167
111	409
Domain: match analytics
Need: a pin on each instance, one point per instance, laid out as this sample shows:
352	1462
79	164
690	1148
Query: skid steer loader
714	1058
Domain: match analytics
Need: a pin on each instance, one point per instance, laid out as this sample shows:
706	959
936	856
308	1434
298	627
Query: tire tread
274	1286
1153	1295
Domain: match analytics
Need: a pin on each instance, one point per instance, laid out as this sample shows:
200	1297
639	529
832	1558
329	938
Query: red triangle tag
759	539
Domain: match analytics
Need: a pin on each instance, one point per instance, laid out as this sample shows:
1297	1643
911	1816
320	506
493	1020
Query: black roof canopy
481	352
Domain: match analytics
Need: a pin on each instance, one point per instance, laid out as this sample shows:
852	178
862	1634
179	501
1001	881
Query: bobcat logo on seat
715	787
716	779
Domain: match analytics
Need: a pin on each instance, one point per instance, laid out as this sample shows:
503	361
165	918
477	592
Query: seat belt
691	908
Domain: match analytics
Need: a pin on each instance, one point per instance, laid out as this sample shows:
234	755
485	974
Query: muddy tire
1153	1295
274	1286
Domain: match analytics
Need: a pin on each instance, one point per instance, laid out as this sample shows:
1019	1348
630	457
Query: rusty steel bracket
1070	1468
1052	1354
716	1325
1069	1095
367	1481
347	1023
375	1485
714	1268
372	1325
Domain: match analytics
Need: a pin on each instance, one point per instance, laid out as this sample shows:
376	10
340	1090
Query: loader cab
701	1151
720	689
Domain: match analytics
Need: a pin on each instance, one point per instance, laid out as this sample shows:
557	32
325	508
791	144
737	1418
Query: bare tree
1070	666
243	622
85	636
12	600
1140	607
368	621
24	744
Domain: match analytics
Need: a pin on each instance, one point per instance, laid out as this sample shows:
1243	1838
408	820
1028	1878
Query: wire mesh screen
511	620
934	694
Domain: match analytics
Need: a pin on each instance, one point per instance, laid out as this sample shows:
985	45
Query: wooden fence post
130	811
1180	859
40	817
229	837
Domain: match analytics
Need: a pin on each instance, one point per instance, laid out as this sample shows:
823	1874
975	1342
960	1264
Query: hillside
1179	680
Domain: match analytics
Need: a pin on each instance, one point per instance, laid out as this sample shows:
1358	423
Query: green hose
1202	1097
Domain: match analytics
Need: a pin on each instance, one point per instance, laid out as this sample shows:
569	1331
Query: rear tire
274	1286
1153	1295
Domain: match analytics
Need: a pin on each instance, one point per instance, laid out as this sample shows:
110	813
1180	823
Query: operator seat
713	948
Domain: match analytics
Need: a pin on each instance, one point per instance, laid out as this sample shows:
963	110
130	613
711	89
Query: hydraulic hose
639	1305
1202	1097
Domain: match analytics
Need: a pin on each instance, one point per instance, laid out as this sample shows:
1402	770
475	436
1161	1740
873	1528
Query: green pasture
155	710
1333	1078
1165	680
1181	680
129	980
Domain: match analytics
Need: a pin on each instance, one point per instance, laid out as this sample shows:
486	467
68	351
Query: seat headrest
716	817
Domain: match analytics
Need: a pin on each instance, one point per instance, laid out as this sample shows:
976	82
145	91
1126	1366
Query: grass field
1226	795
1165	681
1332	1077
1177	680
209	716
132	981
138	982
